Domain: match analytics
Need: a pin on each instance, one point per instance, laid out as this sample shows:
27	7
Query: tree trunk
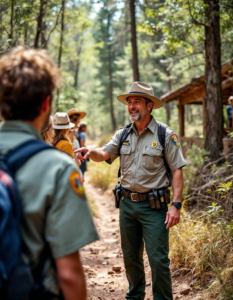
134	42
11	34
168	105
61	44
113	120
62	32
214	105
25	36
39	23
76	71
43	39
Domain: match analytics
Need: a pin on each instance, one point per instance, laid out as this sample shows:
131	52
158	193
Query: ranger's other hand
173	214
172	217
82	153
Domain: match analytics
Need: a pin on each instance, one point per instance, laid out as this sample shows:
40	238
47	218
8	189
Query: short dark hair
73	118
147	102
27	77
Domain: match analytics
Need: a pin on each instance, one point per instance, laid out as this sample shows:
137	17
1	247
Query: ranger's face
137	108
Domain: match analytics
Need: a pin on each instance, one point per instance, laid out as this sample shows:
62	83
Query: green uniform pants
139	224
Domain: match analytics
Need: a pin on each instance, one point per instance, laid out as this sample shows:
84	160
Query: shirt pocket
126	157
151	158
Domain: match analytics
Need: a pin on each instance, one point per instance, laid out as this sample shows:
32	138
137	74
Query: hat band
63	123
139	93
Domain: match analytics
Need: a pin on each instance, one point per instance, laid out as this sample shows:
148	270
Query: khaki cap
62	121
143	90
230	99
75	111
83	123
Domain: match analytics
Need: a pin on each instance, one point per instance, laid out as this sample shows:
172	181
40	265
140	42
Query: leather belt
136	197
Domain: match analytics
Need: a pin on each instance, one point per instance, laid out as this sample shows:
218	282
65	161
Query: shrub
202	246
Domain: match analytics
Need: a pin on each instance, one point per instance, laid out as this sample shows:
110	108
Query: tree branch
194	20
54	27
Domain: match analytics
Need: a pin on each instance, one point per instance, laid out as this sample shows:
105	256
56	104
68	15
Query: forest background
101	48
94	43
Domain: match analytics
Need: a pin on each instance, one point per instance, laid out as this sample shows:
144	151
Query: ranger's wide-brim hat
143	90
61	121
75	111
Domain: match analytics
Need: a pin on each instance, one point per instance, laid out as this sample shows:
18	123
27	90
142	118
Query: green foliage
196	157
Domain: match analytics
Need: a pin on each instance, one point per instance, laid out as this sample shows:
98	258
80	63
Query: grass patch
103	175
203	247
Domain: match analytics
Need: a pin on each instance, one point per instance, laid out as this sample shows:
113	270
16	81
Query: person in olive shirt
143	169
54	204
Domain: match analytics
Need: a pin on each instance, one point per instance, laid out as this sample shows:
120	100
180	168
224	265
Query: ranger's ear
150	106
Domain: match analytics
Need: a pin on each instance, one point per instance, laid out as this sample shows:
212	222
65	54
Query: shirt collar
152	126
20	127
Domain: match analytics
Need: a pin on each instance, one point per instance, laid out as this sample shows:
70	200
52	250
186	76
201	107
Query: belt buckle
132	197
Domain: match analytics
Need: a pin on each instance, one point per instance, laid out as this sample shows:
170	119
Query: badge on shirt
76	183
175	140
126	143
154	144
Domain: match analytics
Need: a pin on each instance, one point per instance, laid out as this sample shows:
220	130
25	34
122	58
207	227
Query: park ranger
56	218
144	173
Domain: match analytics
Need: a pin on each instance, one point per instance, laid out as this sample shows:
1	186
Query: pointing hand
82	153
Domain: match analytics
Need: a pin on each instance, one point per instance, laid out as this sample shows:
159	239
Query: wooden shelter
194	93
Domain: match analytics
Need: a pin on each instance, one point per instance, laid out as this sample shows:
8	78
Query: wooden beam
181	119
193	95
227	83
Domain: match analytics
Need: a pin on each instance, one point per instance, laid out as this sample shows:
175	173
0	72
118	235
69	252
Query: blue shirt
82	136
229	112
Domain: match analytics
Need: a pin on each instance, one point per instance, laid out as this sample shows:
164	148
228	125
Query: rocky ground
103	262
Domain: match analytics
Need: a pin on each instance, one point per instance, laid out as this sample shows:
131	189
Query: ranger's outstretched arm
97	155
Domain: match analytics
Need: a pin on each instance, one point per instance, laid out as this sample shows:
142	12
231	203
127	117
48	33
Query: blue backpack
16	278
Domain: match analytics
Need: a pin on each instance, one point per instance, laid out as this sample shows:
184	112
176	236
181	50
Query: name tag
126	144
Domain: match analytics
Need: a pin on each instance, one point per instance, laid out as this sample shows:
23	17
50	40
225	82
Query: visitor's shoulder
52	157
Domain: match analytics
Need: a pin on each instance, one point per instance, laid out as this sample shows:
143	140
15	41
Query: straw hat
143	90
62	121
75	111
230	99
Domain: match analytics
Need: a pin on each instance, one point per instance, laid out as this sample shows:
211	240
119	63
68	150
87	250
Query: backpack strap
162	138
124	136
18	156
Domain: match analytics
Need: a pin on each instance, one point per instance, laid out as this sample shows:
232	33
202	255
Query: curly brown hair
45	132
60	134
27	77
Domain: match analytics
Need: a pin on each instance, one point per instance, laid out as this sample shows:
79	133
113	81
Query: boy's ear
46	104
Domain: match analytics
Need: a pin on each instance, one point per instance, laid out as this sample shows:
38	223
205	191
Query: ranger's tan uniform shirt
141	159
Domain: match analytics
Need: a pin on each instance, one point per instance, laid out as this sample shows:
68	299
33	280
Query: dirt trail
98	258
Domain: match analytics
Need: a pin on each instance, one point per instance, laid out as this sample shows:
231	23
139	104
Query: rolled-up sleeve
173	151
112	146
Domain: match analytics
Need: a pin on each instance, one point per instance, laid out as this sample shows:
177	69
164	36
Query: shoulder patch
76	184
175	140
